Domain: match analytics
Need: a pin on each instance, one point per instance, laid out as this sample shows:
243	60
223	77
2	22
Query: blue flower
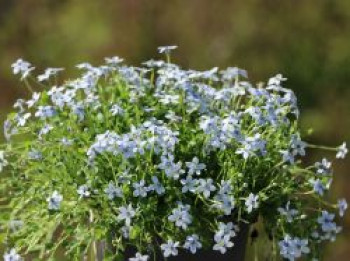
157	186
171	169
166	49
293	248
83	191
3	161
188	184
205	186
276	80
252	202
140	190
252	146
192	243
22	67
139	257
114	61
232	72
225	203
116	110
35	98
194	167
297	145
288	212
126	213
12	256
287	156
342	206
22	119
342	151
323	167
170	248
35	155
48	73
222	243
181	216
326	221
318	186
113	191
54	201
226	229
44	112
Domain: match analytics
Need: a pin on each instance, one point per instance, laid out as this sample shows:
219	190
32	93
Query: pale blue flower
9	130
139	257
194	167
342	206
192	243
276	80
126	213
35	98
157	186
222	243
252	202
3	161
66	142
22	67
181	216
79	110
166	49
225	187
45	112
12	255
114	61
323	167
326	221
293	248
140	189
232	72
83	191
48	73
19	104
45	130
22	119
113	191
153	63
205	186
225	203
116	110
318	186
54	201
227	229
297	145
171	169
35	155
287	156
126	231
342	150
85	66
168	99
188	184
170	248
252	146
288	212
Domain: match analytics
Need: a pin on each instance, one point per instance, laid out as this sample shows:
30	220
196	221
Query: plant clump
161	159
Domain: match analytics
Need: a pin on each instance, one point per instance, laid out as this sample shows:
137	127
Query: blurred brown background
306	40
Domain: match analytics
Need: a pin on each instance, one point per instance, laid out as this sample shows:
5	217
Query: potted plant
135	163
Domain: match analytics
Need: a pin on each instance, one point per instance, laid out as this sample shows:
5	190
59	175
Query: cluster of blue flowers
159	150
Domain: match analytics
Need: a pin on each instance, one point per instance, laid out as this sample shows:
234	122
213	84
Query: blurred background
308	41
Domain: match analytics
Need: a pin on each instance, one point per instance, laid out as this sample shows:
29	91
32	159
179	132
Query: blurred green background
306	40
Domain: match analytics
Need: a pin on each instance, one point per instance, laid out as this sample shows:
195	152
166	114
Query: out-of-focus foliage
306	40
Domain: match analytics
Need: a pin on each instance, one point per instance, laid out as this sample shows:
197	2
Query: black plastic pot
235	253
